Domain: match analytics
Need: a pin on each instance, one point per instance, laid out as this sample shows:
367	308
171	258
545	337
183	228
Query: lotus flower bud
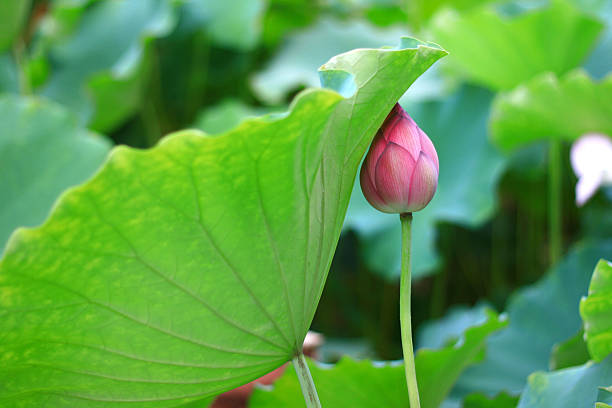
400	171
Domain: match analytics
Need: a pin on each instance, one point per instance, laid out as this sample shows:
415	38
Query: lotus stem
405	319
308	388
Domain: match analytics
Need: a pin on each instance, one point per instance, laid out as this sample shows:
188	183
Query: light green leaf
548	311
12	17
547	108
570	353
296	63
569	388
469	170
185	270
101	83
363	384
596	312
42	152
501	53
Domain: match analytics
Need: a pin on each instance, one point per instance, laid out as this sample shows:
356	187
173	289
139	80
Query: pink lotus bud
400	171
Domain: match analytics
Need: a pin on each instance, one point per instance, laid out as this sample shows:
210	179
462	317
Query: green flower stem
308	388
554	201
406	323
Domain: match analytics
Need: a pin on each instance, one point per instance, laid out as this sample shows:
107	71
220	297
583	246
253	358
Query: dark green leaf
42	152
548	312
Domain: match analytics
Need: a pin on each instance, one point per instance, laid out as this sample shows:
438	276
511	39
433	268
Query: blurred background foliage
77	76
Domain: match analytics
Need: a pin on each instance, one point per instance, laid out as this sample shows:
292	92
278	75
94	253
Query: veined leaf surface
183	271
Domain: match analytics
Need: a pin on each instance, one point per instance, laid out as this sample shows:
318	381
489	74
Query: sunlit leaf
503	52
352	384
185	270
42	152
547	108
596	312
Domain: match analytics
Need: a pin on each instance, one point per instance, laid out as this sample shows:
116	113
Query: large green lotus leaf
96	55
42	152
469	170
596	312
185	270
362	384
548	108
12	17
548	311
556	39
296	63
575	387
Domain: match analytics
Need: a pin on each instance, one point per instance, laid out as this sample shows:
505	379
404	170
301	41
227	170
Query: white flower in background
591	158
